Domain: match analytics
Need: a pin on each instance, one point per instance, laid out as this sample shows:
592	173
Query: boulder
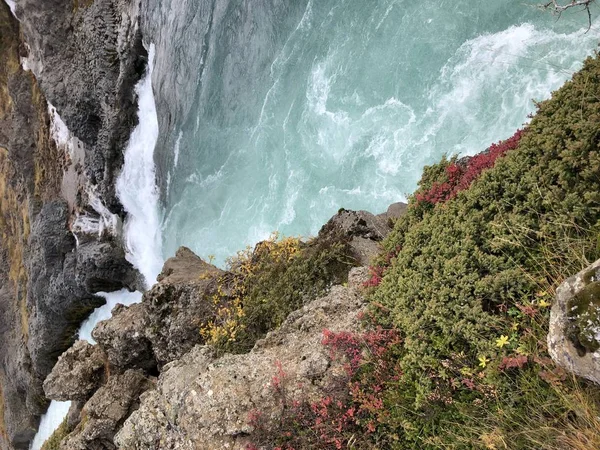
180	304
77	374
123	338
574	336
203	403
166	324
363	230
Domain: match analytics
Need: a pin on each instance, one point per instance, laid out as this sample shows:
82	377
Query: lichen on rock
574	337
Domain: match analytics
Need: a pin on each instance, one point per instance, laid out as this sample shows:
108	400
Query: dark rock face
57	304
78	373
86	57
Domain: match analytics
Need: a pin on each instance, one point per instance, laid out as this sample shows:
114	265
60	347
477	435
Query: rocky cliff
73	63
153	382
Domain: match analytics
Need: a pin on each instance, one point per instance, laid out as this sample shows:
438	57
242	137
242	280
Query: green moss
584	314
265	285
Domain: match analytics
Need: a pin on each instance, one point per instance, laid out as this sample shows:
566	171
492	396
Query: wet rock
102	267
203	403
77	374
103	414
574	336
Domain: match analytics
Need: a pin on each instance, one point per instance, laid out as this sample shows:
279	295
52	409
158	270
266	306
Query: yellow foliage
233	287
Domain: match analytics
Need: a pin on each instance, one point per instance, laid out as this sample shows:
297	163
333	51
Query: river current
274	114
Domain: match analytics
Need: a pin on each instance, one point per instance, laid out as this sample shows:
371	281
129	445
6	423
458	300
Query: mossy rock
584	317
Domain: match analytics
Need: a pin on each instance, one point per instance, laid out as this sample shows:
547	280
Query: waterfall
137	192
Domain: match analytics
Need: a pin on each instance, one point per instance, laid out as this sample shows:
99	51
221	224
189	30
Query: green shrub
468	271
54	441
264	285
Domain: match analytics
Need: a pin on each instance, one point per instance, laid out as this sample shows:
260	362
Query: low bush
264	285
464	285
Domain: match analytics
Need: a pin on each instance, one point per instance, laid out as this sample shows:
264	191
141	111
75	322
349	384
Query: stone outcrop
87	56
166	324
203	403
78	373
364	230
104	413
574	336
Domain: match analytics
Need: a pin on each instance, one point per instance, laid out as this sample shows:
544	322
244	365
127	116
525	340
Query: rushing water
275	125
137	191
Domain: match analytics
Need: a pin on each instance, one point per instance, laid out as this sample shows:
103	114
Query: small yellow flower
543	303
483	361
515	326
502	341
522	350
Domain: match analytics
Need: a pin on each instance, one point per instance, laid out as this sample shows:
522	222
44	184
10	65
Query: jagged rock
77	374
358	276
166	324
203	403
394	212
74	414
105	411
363	229
180	304
123	338
574	336
102	267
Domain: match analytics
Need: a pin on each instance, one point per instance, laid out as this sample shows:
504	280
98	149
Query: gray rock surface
574	335
166	324
103	414
363	230
203	403
86	57
78	373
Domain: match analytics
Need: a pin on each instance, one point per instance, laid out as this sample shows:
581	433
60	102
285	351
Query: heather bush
462	292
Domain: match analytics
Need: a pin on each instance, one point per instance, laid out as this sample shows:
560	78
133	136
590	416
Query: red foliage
378	271
353	404
516	362
460	175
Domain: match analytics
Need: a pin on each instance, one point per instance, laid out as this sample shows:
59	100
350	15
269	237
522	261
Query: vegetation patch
54	441
264	285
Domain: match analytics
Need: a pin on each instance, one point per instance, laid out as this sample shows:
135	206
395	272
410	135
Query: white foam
13	7
136	186
176	150
48	424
